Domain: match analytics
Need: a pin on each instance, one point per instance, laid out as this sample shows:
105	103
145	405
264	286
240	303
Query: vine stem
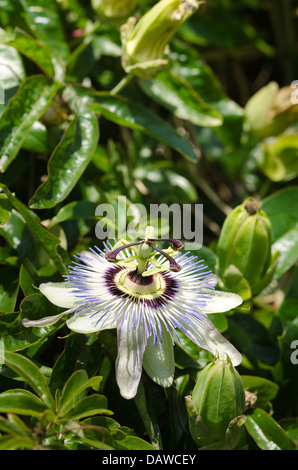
122	84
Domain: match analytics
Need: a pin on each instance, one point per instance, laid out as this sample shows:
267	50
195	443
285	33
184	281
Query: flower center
155	290
134	284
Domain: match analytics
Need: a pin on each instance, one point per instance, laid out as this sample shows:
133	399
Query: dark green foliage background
68	144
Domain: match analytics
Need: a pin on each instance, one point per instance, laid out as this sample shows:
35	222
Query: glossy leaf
18	235
29	372
281	210
12	73
189	65
89	406
14	425
134	443
266	432
264	389
14	336
37	139
76	385
44	21
34	50
75	210
49	241
78	350
14	443
4	209
9	287
21	402
177	95
127	113
31	101
68	161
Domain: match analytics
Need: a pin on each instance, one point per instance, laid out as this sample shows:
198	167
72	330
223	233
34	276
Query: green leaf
31	101
253	339
127	113
12	72
9	287
19	236
287	311
75	210
76	385
44	21
14	425
288	249
34	50
89	406
264	389
21	402
31	374
134	443
16	442
5	210
15	336
281	208
79	349
48	241
188	64
290	425
18	435
266	432
177	95
68	161
37	139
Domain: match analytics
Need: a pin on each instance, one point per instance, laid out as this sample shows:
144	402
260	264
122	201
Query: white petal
159	362
88	322
220	301
204	334
131	345
45	321
58	294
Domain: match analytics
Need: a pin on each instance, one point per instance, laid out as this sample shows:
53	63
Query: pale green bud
216	406
145	43
244	250
114	9
270	111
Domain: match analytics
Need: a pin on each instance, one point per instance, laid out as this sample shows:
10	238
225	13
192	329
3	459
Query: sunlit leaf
127	113
68	161
30	102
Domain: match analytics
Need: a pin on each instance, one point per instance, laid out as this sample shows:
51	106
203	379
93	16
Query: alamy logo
294	355
177	221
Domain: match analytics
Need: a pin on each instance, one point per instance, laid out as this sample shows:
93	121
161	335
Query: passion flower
149	295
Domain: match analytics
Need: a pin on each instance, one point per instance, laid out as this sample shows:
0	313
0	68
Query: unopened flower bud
145	43
218	400
114	9
244	249
270	111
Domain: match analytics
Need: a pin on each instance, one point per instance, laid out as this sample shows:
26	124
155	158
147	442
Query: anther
173	265
176	244
111	255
